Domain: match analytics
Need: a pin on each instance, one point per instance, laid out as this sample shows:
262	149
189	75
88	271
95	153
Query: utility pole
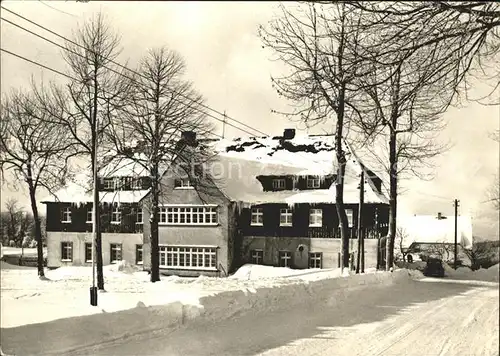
360	222
455	204
224	124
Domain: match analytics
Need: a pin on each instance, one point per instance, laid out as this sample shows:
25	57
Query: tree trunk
393	189
360	220
339	187
155	249
38	231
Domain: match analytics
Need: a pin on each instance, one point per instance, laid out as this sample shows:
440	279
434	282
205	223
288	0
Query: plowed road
416	318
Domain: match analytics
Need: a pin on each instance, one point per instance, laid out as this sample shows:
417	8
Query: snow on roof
236	176
430	229
80	191
316	155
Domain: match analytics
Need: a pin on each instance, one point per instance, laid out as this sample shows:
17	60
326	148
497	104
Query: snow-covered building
262	200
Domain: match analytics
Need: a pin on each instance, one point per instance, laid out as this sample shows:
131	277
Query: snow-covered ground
26	299
463	273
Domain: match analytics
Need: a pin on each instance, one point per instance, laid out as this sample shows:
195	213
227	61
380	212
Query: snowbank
464	273
133	305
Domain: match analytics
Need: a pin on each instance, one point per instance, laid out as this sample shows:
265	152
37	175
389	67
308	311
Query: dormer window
136	183
108	183
279	183
313	182
183	183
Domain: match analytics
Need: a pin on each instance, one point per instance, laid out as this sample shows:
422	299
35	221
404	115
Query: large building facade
260	200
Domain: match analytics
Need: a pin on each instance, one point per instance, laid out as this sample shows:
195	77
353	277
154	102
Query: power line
133	71
116	72
53	8
36	63
66	75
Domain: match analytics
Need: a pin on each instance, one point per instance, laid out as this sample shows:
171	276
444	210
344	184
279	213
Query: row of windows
170	257
192	215
116	215
285	258
188	257
315	217
312	183
115	252
118	183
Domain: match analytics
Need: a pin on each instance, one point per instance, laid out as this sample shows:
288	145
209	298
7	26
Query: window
66	251
116	215
136	184
88	251
108	183
138	255
257	256
115	253
117	184
285	217
138	216
313	182
279	183
257	217
316	217
183	183
188	257
66	215
89	216
350	216
315	260
188	215
285	258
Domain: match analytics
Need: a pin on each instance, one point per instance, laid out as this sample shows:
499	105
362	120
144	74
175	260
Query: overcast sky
227	64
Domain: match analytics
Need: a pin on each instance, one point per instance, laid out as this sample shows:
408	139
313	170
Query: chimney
189	138
288	134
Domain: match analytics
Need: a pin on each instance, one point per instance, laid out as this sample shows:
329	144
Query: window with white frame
138	216
350	217
115	254
108	183
66	214
285	217
313	182
315	217
116	215
117	183
257	218
285	258
315	260
138	255
90	213
188	215
184	257
257	256
66	251
88	252
183	183
136	183
279	183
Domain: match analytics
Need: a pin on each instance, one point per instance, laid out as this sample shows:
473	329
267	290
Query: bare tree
466	31
401	236
35	150
318	45
162	105
85	108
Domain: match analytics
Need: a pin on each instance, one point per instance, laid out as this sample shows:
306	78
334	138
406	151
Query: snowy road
416	318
